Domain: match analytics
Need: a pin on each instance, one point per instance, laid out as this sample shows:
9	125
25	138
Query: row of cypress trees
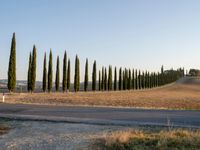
124	79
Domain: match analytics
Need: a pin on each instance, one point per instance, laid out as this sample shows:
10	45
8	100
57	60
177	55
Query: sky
141	34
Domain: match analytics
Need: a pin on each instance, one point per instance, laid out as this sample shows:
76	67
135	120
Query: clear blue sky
142	34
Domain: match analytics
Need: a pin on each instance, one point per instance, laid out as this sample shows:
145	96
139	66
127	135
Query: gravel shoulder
40	135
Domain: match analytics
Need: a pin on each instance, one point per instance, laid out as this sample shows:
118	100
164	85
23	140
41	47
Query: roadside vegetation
173	139
3	128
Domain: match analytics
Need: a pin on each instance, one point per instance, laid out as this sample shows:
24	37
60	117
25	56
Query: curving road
100	115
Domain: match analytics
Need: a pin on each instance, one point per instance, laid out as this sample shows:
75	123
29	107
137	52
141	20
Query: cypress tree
68	76
133	79
64	81
86	76
77	74
129	79
50	72
126	79
136	80
99	80
120	79
115	79
124	82
57	81
44	81
105	80
12	66
139	80
33	69
94	76
110	78
102	79
29	73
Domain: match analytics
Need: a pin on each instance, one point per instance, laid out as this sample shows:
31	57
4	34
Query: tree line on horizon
123	79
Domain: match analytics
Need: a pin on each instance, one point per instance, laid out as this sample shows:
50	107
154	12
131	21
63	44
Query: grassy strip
175	139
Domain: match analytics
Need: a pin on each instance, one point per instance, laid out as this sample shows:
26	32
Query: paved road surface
100	115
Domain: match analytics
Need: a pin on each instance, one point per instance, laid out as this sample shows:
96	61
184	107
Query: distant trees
64	81
94	76
44	81
77	74
50	72
12	66
57	81
124	79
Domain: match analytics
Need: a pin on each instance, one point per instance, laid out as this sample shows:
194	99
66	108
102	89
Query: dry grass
3	129
175	96
177	139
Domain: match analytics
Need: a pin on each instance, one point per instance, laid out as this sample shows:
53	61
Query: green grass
175	139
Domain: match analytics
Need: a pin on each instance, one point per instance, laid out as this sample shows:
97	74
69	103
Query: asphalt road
100	115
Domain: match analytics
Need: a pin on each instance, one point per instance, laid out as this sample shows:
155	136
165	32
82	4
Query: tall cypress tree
50	72
77	74
44	81
68	76
105	80
33	69
133	79
57	81
64	81
94	76
86	76
129	79
115	79
99	80
102	79
120	79
139	80
110	78
124	80
12	66
29	73
136	80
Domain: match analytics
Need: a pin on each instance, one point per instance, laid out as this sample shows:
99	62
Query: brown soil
174	96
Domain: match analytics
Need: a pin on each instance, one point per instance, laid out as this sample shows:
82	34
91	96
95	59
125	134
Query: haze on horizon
139	34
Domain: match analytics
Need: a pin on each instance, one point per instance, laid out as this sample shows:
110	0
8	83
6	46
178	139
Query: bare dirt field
184	94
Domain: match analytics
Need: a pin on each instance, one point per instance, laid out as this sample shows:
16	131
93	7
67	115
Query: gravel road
42	135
